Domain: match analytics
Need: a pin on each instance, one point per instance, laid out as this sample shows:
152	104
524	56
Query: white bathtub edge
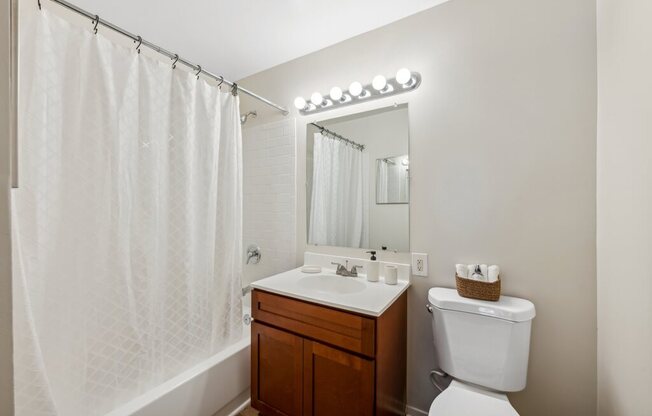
237	405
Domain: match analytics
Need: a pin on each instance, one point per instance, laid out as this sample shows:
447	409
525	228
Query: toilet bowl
484	347
461	399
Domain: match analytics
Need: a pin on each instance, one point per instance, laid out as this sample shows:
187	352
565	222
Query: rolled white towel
479	276
477	273
461	270
471	271
494	272
484	270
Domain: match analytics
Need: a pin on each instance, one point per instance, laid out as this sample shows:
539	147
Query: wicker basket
475	289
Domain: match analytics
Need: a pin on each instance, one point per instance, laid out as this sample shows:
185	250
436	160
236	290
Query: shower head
244	117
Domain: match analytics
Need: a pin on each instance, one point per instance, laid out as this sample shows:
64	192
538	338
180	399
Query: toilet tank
481	342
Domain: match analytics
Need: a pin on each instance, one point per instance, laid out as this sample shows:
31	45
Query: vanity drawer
321	323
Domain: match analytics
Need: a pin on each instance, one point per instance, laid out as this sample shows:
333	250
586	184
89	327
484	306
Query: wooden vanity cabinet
278	370
310	359
336	382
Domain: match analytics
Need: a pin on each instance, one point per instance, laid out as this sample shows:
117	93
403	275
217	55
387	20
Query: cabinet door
276	371
336	382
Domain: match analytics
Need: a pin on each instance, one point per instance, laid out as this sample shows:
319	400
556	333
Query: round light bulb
300	103
355	88
403	76
379	82
336	93
316	98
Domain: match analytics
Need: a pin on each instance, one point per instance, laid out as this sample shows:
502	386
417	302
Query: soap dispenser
372	267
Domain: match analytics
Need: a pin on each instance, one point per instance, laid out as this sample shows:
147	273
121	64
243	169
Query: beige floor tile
249	412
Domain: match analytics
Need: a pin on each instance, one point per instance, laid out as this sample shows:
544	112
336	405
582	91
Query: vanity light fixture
379	83
404	77
337	95
300	103
355	89
318	101
316	98
380	87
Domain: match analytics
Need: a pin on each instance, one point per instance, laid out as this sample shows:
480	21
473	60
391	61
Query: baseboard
413	411
409	410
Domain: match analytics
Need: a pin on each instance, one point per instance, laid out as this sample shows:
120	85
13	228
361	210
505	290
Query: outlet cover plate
420	264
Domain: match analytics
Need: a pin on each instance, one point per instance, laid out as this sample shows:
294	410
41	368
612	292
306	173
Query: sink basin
331	284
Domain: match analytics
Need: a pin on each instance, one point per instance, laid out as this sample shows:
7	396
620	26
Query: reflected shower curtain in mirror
127	224
339	207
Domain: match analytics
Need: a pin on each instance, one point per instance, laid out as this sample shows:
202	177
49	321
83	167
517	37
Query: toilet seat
461	399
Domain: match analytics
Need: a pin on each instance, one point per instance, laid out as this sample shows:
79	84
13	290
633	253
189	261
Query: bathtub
218	386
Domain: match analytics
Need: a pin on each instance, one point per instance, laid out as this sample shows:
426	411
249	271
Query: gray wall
502	148
624	207
6	117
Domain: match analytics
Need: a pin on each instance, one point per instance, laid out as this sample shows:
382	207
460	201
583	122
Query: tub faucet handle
253	254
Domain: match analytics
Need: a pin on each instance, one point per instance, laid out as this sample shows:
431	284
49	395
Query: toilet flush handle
429	307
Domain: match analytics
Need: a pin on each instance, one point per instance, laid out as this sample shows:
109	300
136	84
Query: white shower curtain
127	222
339	208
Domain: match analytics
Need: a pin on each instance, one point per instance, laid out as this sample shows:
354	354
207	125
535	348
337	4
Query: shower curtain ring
140	42
176	59
198	71
234	89
95	21
221	82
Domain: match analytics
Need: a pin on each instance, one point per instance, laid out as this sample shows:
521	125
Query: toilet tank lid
507	307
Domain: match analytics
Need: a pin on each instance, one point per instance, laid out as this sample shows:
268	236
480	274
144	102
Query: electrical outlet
419	264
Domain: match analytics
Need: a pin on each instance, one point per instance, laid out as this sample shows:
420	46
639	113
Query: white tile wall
270	197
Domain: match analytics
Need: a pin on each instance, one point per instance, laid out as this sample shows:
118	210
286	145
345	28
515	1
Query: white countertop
355	295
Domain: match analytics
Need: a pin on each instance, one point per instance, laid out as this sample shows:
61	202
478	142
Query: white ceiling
237	38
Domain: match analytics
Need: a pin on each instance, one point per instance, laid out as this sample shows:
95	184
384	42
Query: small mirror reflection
392	180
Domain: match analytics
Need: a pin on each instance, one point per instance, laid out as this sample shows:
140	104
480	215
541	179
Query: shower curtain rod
142	42
338	137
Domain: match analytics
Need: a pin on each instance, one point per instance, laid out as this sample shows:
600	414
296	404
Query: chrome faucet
344	271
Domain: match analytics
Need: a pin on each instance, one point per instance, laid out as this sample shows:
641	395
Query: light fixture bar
355	95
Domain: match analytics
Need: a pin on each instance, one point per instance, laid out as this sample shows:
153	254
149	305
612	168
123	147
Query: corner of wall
6	115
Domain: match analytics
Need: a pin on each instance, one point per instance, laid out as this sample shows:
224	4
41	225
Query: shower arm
142	42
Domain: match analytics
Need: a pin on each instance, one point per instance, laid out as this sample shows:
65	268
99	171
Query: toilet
484	347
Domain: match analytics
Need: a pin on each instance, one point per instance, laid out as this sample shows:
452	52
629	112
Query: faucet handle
354	270
339	265
341	270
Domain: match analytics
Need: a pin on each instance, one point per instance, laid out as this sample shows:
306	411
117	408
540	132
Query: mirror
357	177
392	180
